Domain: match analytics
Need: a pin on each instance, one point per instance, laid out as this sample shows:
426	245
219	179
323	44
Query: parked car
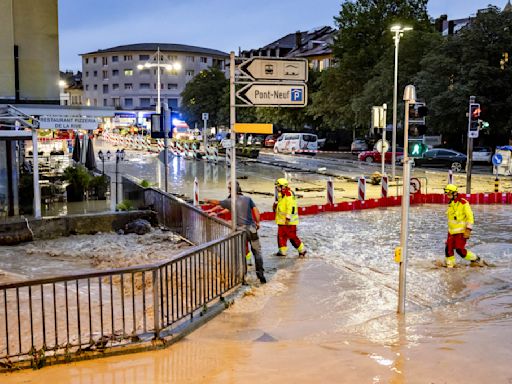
440	157
270	140
358	145
296	142
482	155
321	143
375	156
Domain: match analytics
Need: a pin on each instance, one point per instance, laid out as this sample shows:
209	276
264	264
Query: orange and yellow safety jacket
460	216
287	212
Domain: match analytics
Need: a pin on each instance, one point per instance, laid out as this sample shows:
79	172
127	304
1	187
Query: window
173	57
86	60
309	138
173	103
127	57
105	102
144	85
86	87
115	86
95	87
95	102
190	59
145	71
204	59
104	60
116	101
145	102
94	60
128	86
105	88
143	57
115	72
189	72
115	59
86	73
172	86
128	102
128	72
105	75
95	73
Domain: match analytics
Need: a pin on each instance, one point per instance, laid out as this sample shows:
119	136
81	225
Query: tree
362	41
207	92
468	64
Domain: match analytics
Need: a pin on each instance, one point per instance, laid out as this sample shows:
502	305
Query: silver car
358	145
482	155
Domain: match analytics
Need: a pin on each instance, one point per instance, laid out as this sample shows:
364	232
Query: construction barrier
384	202
330	192
385	185
361	187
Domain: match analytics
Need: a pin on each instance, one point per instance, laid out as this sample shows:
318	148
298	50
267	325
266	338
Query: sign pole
232	120
166	121
409	97
383	154
469	163
205	140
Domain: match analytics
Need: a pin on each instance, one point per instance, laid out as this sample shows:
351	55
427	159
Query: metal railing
70	315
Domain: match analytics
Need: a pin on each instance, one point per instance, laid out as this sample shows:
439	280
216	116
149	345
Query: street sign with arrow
274	94
258	68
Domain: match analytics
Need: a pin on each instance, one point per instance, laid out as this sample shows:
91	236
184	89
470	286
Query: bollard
215	155
361	187
384	184
330	191
496	184
196	192
450	177
228	157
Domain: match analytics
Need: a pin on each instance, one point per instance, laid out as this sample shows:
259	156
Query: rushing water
331	317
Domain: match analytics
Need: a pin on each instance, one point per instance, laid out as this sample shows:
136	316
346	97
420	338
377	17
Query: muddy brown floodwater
331	318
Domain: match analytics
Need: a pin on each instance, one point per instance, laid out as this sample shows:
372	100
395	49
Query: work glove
467	233
274	207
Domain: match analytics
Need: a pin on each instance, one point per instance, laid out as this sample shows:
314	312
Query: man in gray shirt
248	219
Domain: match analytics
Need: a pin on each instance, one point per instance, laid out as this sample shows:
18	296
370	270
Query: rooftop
152	47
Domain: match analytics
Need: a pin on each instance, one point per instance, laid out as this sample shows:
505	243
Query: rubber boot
248	258
450	262
474	259
302	250
282	251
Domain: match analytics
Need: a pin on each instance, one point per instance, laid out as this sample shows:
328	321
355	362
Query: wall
33	27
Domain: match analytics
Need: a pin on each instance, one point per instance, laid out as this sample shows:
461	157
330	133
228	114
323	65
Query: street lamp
119	157
398	30
167	64
103	157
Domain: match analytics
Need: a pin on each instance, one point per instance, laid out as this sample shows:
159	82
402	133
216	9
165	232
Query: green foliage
207	92
78	176
468	64
125	205
145	184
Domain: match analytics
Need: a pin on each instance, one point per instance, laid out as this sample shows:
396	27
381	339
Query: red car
270	140
374	156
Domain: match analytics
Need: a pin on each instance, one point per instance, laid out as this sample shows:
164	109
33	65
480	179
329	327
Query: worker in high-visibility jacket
287	219
460	225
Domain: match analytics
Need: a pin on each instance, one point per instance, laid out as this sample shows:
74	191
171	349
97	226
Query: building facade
29	51
314	45
112	78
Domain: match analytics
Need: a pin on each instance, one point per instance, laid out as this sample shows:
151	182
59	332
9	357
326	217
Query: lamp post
398	30
119	157
167	64
103	157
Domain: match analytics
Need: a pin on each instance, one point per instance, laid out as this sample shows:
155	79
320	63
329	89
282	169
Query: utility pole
473	115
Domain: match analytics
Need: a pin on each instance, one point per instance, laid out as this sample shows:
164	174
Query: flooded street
332	317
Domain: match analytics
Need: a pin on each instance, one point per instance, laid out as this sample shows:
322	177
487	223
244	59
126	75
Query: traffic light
417	113
417	148
474	114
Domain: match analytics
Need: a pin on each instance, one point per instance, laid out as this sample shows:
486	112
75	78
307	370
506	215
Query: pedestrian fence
83	315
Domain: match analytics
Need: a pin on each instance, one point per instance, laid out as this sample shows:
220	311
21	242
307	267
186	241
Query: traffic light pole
469	161
409	97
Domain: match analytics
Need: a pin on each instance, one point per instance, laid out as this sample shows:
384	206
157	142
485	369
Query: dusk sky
226	25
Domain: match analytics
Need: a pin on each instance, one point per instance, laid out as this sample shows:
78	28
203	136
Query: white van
296	143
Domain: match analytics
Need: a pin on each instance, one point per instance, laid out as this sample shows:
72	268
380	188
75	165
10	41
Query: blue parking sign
296	94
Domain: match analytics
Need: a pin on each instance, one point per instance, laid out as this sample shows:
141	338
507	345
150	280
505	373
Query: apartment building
125	77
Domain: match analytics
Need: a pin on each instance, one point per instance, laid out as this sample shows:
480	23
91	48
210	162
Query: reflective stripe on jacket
287	208
460	216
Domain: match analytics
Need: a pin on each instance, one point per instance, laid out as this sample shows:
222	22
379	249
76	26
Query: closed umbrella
77	152
90	158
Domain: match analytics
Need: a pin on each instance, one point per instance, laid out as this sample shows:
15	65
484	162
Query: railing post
156	303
